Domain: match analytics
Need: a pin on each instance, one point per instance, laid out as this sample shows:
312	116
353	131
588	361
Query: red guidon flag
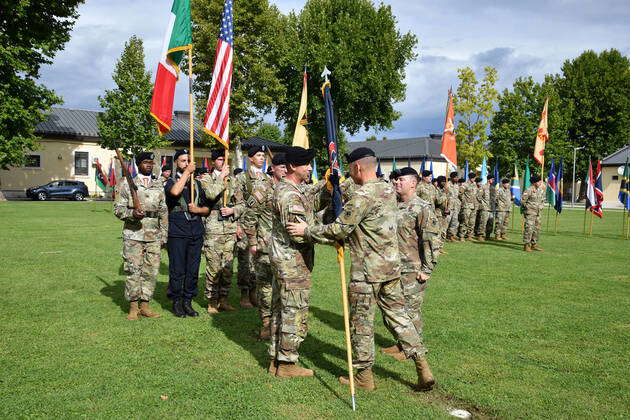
542	136
217	120
449	144
177	40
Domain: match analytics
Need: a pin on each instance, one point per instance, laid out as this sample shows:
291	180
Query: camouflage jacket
503	199
533	200
293	257
152	227
483	196
433	196
453	196
348	187
214	188
468	194
416	222
258	219
245	184
369	221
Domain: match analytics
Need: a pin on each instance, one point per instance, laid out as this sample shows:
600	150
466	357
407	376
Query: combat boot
134	311
213	306
527	248
189	309
390	350
481	238
292	370
504	238
363	379
535	247
425	377
265	330
461	239
471	239
399	355
273	367
146	311
178	308
224	305
245	302
442	251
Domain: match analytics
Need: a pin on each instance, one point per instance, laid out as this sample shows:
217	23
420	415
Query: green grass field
510	334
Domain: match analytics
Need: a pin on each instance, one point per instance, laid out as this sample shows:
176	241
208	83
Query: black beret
359	153
454	174
201	171
217	153
505	181
426	173
298	156
534	178
269	170
395	174
255	149
279	159
407	171
441	178
472	175
478	179
180	152
144	156
490	176
237	171
167	167
461	180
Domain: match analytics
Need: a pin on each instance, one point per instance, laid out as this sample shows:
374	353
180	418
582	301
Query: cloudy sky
519	38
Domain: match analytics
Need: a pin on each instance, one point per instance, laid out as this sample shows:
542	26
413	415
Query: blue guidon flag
331	135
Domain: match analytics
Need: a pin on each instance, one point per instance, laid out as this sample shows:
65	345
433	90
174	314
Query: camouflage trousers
429	253
288	321
532	228
264	281
442	223
466	228
501	223
246	277
490	224
141	265
481	225
413	291
219	252
452	222
388	296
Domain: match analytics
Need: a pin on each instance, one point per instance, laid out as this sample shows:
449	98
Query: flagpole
584	223
555	228
548	209
623	224
590	227
346	321
190	122
513	214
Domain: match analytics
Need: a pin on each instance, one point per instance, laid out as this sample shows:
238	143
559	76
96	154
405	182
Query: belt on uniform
152	214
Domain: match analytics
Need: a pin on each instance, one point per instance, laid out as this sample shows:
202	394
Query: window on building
615	177
81	163
33	161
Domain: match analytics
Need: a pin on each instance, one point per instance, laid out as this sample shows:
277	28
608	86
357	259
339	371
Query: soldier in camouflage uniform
145	232
257	224
468	198
454	206
369	223
220	232
533	202
484	197
292	259
246	278
436	199
442	211
503	205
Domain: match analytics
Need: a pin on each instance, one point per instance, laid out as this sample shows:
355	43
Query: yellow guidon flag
300	136
542	136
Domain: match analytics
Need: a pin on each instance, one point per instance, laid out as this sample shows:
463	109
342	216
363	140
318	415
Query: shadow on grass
116	292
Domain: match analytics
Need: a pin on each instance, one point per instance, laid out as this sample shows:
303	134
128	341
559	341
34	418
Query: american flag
217	120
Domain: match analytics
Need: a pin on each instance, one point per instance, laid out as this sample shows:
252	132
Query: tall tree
474	107
255	85
367	54
272	132
31	33
125	122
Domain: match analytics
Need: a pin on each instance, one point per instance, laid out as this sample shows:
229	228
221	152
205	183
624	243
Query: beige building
612	171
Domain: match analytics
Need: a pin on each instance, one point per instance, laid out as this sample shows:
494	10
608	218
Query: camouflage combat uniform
503	204
533	202
468	198
437	200
220	234
483	212
454	206
142	238
416	225
292	260
368	220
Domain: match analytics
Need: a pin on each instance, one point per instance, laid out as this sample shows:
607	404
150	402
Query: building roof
618	158
415	147
260	141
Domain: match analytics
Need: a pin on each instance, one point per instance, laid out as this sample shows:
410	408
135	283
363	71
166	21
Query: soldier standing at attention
220	232
429	193
442	211
369	222
258	225
454	206
468	197
167	170
483	213
185	235
144	234
246	277
533	201
503	204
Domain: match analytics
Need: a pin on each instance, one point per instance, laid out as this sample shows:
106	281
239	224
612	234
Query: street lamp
575	149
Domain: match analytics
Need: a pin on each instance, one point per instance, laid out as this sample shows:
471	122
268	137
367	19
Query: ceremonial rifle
133	188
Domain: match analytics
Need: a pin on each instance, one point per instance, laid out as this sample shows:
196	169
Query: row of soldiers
394	232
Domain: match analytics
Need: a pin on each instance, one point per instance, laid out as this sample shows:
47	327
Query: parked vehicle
73	190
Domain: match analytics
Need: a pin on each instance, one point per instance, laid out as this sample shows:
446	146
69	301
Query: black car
73	190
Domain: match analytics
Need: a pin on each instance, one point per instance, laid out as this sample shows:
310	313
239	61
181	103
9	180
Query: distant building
612	170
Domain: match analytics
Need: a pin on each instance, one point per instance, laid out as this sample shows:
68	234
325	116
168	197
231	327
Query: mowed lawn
510	334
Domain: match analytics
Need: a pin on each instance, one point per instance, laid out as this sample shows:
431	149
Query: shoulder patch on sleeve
259	196
296	209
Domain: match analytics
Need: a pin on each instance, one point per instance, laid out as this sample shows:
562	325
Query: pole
190	121
555	228
513	214
346	321
584	223
573	183
590	227
548	208
225	180
623	224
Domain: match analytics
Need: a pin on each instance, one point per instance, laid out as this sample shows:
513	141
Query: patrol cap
359	153
217	153
255	149
426	173
237	171
279	159
299	156
144	156
454	174
407	171
167	167
505	181
534	178
180	152
441	178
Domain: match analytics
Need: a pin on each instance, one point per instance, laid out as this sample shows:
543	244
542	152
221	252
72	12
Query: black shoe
189	310
178	309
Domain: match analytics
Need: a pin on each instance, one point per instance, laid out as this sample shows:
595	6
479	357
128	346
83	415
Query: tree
367	55
126	122
255	85
474	105
272	132
31	33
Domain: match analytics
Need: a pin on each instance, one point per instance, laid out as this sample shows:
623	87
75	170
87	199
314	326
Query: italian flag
177	40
